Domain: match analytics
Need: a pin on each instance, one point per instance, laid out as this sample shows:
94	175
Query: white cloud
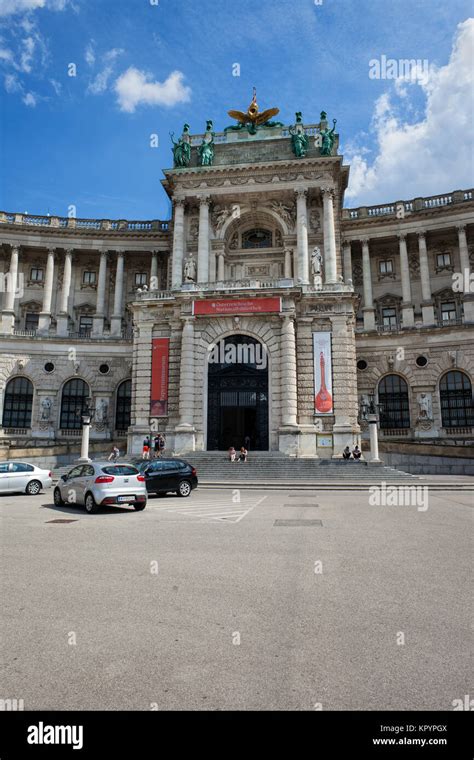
30	99
99	84
89	55
12	84
428	156
57	86
113	54
11	7
134	88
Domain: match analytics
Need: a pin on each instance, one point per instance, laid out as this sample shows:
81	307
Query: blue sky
146	68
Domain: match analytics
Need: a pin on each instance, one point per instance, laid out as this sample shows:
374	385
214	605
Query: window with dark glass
394	403
257	238
457	408
18	403
36	275
140	278
124	405
89	278
389	317
386	266
31	321
448	311
85	325
73	403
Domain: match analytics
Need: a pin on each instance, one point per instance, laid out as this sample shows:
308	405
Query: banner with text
159	377
232	306
322	356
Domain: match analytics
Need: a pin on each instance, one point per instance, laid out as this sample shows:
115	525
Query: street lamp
86	413
370	413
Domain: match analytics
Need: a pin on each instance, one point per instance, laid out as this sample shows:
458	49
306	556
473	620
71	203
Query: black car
163	475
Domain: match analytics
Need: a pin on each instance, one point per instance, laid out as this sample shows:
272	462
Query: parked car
22	477
100	484
163	475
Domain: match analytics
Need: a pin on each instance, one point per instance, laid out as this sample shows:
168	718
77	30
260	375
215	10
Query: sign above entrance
237	306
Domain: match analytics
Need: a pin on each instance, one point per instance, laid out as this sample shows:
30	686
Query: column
154	284
289	406
45	314
63	316
347	260
220	266
116	320
368	309
302	268
426	303
330	264
178	245
11	282
374	439
408	319
203	241
468	297
98	321
185	430
288	267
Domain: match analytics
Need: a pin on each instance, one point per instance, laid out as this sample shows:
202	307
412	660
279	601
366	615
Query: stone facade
82	294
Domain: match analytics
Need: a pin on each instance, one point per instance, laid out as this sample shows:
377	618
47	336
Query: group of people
356	453
241	456
153	447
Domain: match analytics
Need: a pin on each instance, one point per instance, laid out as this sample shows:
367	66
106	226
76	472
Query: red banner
237	306
160	355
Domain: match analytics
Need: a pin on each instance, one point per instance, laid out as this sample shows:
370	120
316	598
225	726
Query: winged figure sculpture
252	118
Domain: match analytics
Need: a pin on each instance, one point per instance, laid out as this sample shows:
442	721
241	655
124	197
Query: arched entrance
237	394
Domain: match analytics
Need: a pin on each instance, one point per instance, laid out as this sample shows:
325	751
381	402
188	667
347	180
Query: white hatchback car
22	477
101	484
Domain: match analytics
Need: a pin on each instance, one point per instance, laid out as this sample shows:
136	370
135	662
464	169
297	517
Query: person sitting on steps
243	454
232	454
346	453
357	453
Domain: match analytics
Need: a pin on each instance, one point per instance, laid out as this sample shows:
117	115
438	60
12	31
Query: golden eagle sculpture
252	119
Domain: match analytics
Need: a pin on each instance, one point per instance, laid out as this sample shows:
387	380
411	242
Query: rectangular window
85	325
36	275
386	266
31	321
389	318
89	278
448	311
140	278
443	259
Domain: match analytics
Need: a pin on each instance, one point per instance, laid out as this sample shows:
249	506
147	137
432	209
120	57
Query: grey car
23	477
101	484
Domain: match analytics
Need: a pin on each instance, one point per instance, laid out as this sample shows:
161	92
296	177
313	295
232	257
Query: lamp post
86	413
369	413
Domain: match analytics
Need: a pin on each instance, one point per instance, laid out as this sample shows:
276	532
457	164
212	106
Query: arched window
257	238
124	403
18	403
73	401
455	392
394	404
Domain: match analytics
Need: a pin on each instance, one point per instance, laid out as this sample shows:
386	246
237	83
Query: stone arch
248	218
406	380
60	395
18	376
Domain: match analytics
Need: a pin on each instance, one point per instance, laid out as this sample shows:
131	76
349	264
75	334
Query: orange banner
237	306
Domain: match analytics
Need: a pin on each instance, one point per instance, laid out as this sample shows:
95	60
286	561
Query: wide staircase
267	468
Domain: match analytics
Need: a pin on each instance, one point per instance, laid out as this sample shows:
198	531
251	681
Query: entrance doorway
237	395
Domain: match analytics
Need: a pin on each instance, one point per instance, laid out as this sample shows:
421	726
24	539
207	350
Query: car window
21	467
4	467
170	465
88	470
156	467
120	469
75	472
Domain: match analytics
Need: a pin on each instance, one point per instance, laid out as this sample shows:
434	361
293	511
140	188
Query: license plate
126	498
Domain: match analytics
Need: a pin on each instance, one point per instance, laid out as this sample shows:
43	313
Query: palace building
263	310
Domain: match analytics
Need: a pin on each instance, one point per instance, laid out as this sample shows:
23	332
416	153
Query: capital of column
301	192
461	227
364	242
178	202
69	252
120	253
104	255
15	249
421	234
328	192
402	236
204	200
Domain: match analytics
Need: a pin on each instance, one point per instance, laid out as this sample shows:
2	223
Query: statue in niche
314	220
182	148
425	411
190	270
299	140
206	149
102	411
46	406
316	261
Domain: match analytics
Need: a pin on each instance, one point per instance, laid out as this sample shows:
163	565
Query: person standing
146	448
156	445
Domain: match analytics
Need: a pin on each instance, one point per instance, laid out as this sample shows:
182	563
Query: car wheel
184	488
90	505
33	487
139	507
58	499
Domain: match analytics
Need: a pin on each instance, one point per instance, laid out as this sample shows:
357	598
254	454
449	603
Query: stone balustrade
107	225
410	206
